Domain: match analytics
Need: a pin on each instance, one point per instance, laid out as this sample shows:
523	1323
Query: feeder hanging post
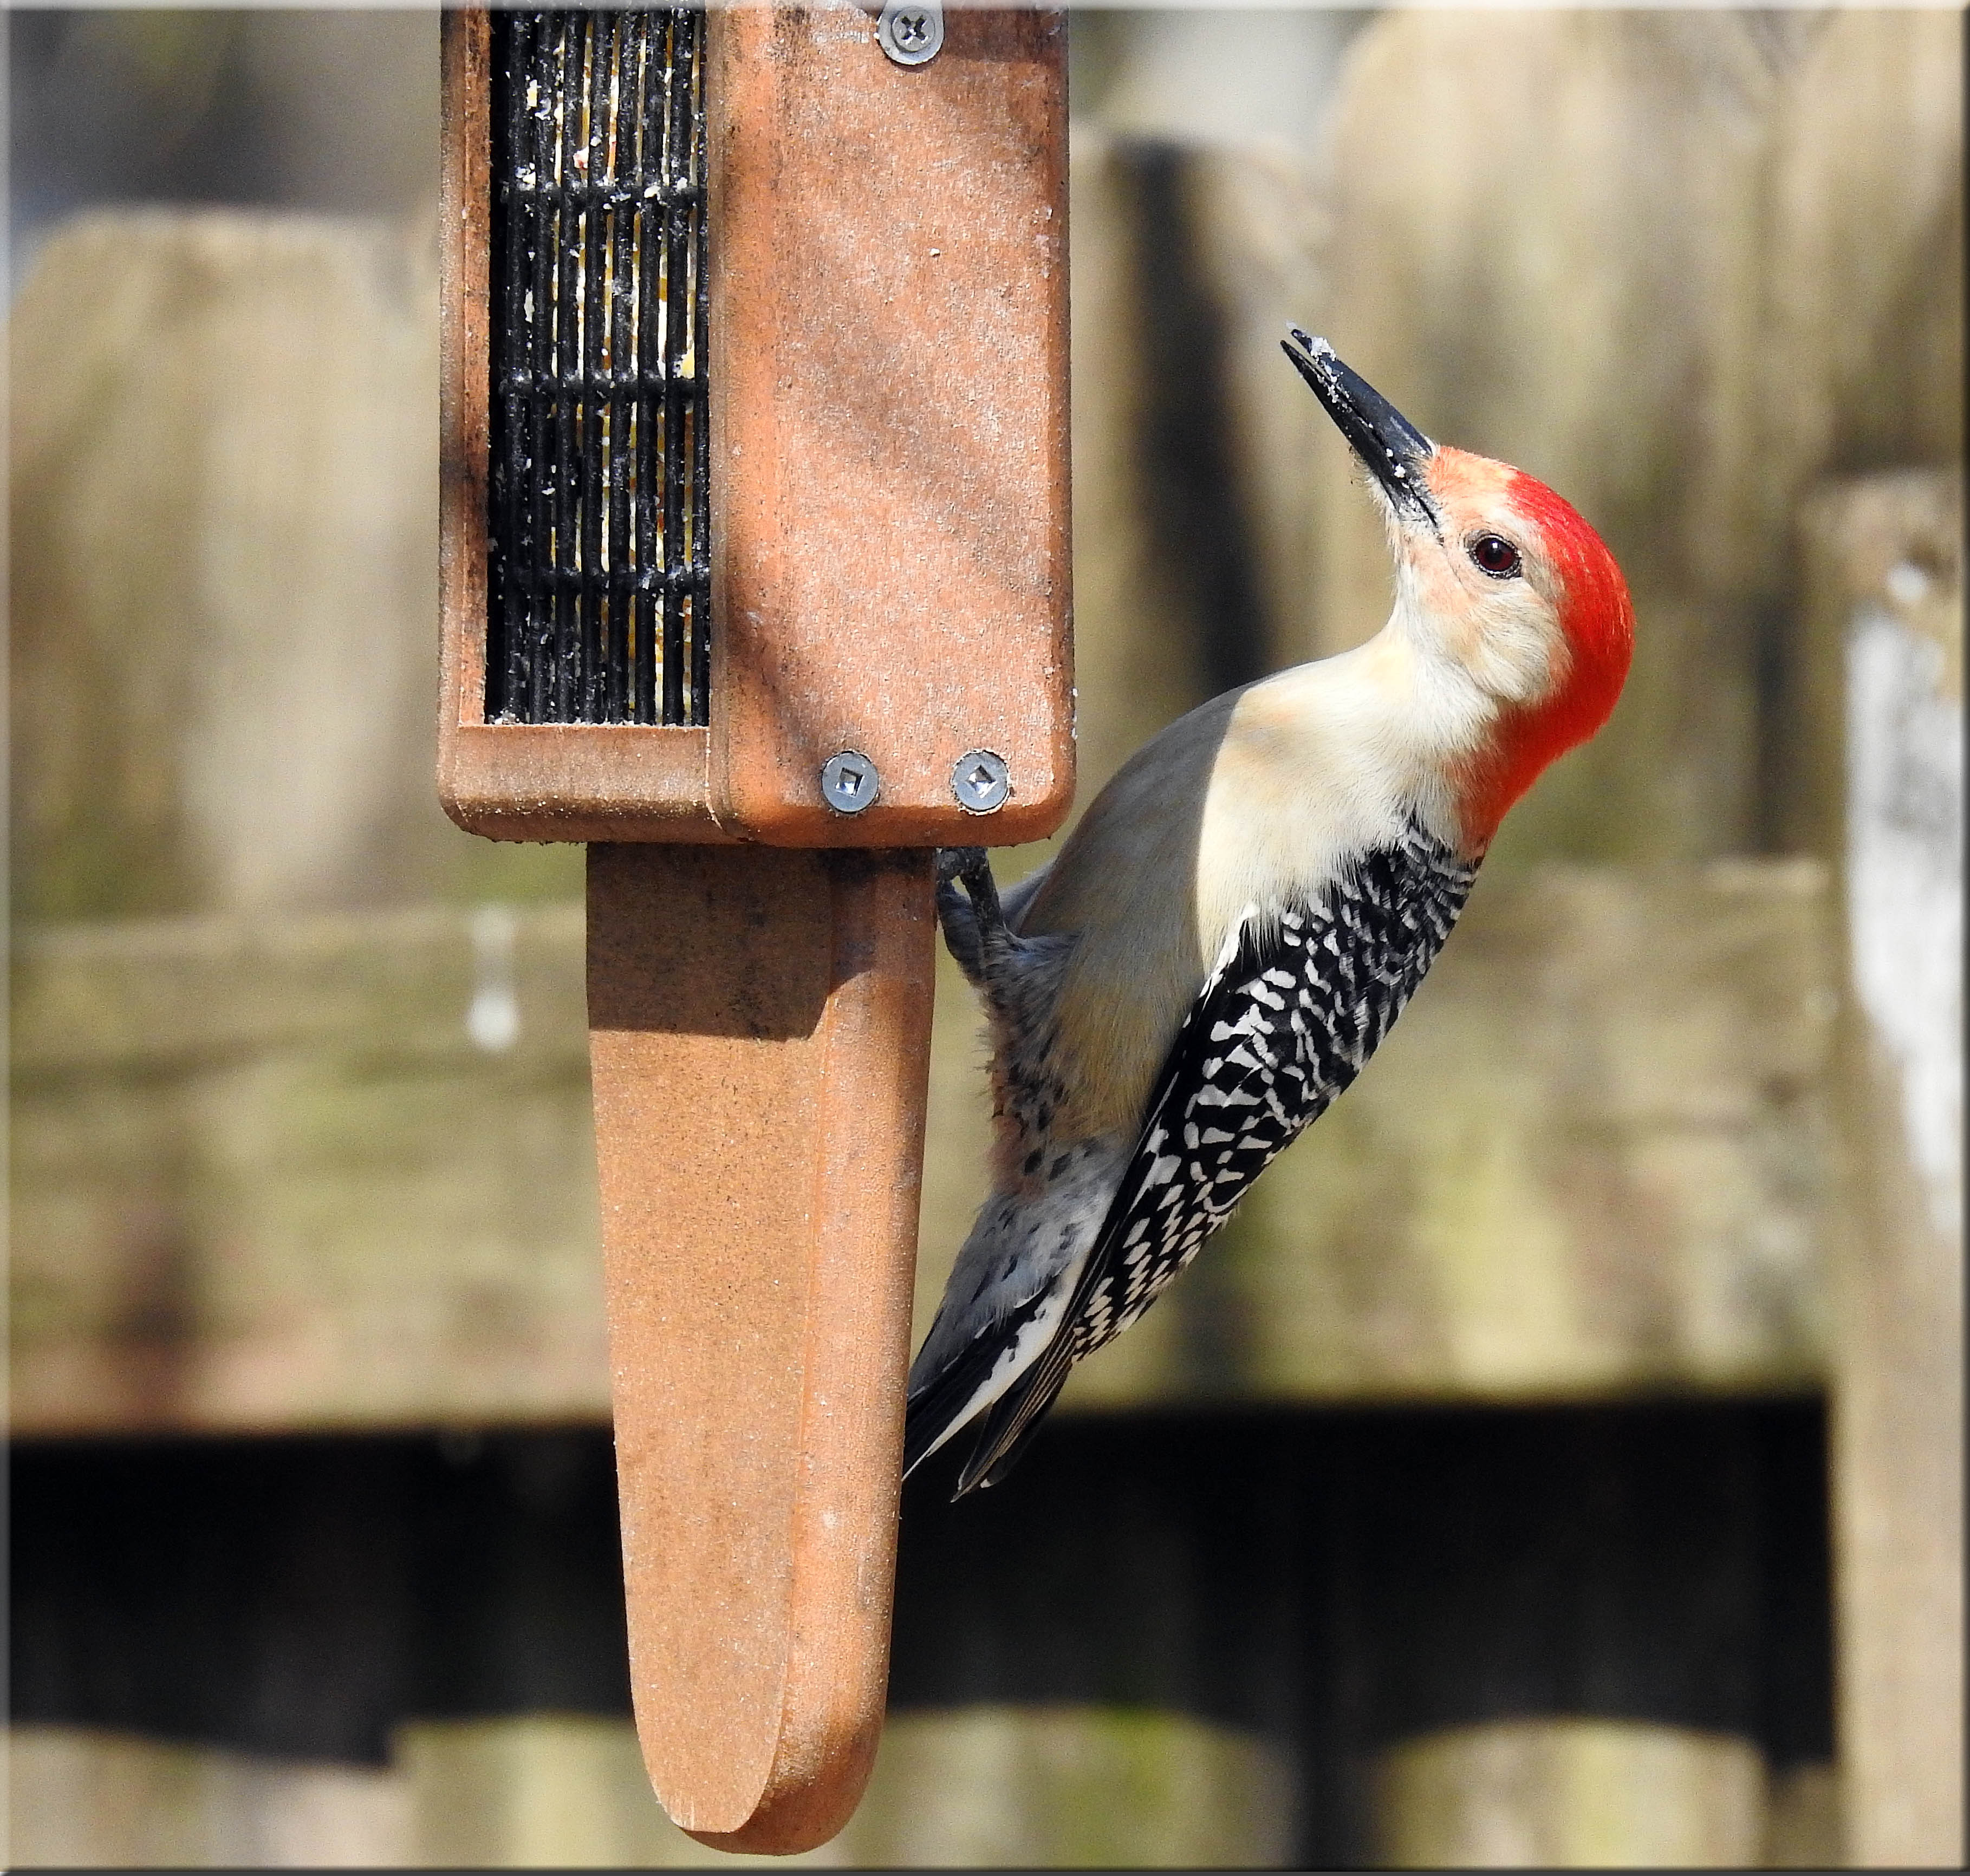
754	577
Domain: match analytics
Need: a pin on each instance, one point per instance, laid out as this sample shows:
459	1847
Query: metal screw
911	31
981	781
848	781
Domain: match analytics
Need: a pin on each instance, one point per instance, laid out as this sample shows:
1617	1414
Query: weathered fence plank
223	451
322	1172
1886	556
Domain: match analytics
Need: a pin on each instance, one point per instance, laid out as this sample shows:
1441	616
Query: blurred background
1558	1462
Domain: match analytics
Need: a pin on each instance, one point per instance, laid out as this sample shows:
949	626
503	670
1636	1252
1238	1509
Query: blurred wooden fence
301	1140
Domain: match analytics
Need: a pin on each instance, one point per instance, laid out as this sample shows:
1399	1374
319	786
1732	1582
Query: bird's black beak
1394	451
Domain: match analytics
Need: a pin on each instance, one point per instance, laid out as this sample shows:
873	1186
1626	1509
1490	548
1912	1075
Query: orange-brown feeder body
889	543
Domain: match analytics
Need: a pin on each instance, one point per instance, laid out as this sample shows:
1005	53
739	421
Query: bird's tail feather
947	1397
1013	1419
941	1402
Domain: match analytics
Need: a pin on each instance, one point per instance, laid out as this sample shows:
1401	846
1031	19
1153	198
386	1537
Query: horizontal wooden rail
338	1170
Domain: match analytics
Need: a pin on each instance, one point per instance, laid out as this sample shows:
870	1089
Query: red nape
1599	622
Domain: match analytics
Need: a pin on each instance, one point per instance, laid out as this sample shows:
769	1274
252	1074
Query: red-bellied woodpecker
1232	928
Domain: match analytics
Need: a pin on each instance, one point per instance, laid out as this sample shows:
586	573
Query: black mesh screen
599	571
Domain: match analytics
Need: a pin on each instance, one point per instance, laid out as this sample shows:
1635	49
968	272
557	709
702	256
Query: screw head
981	781
911	31
849	782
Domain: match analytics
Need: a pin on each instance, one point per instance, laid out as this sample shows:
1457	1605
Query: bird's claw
953	862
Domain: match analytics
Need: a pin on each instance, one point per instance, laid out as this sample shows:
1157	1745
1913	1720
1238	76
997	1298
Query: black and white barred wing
1283	1025
1290	1012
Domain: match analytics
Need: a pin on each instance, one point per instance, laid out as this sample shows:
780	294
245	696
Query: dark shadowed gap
1332	1580
1777	685
1206	552
300	1597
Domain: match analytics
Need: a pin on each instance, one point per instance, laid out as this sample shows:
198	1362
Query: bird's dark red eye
1496	555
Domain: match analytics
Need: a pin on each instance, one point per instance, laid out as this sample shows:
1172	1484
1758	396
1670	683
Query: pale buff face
1503	633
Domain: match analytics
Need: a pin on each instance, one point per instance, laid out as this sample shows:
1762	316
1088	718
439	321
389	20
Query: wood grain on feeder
754	530
759	1033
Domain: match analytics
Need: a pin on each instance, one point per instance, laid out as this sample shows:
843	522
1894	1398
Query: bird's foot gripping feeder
755	578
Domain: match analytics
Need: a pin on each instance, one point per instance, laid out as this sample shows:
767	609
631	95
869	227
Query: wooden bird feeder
755	578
